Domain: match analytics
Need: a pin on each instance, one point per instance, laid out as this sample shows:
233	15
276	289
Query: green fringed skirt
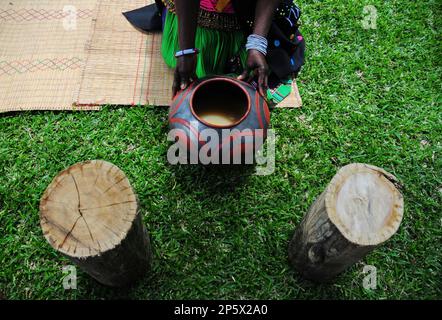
216	47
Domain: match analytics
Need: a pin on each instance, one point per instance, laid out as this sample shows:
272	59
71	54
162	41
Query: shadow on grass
91	287
323	291
210	182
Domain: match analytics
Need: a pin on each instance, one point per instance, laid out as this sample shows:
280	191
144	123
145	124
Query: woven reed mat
125	66
42	52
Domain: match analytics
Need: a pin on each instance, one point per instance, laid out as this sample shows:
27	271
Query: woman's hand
256	66
184	73
256	61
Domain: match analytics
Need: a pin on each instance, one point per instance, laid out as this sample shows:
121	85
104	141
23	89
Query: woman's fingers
261	73
244	76
176	84
262	81
181	82
185	81
184	84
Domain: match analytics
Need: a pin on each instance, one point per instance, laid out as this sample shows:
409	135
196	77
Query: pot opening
220	103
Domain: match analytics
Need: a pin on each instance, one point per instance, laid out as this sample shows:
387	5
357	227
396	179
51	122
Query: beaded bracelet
186	52
257	42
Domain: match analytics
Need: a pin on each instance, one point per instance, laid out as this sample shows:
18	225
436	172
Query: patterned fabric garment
224	6
214	14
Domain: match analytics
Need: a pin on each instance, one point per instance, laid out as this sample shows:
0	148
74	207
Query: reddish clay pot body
224	105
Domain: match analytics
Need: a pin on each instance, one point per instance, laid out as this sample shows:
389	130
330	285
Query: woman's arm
265	11
256	61
187	13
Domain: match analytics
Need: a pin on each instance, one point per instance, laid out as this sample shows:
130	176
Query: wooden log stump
360	209
90	214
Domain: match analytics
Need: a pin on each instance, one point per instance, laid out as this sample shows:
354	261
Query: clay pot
225	105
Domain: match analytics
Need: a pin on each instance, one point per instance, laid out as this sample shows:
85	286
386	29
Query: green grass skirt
216	47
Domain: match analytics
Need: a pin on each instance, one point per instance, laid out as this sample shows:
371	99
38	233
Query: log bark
360	209
90	214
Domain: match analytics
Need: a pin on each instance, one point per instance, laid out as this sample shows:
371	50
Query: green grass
370	96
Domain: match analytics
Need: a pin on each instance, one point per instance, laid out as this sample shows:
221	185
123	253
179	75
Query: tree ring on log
88	209
363	202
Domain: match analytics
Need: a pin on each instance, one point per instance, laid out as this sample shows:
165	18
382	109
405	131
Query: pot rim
225	79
